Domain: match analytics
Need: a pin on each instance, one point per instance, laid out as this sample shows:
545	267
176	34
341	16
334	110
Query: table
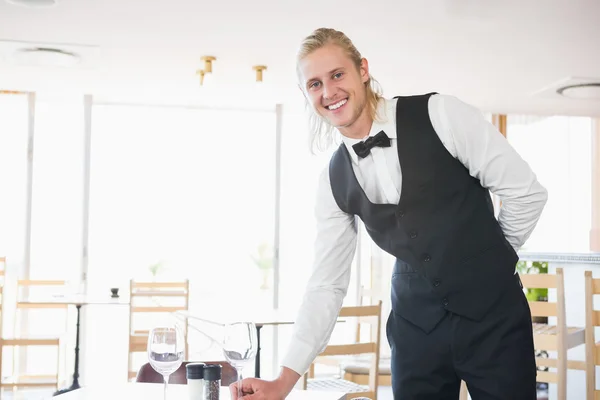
154	391
78	300
260	319
273	318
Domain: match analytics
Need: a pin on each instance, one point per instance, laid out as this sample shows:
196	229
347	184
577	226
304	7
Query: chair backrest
370	314
365	297
43	289
557	341
592	320
29	314
147	374
35	296
149	300
547	281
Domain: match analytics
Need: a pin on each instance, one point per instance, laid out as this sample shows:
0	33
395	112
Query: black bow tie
362	149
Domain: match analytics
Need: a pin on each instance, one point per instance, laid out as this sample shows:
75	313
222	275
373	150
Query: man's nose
328	90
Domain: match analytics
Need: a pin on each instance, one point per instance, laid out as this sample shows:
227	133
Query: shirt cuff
299	356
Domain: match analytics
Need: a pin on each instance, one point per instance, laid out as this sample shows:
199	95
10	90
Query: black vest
451	252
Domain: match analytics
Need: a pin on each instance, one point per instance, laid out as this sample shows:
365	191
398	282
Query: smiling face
336	89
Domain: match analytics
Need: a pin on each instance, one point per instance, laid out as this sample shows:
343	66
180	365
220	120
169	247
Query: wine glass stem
166	378
239	375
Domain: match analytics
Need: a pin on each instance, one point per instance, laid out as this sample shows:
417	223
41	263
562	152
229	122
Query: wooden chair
592	320
147	374
148	301
559	337
22	381
352	389
356	369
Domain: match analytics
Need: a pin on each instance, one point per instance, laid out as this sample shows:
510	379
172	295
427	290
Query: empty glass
166	347
240	346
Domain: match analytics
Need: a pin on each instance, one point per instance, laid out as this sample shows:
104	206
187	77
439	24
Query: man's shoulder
336	155
413	96
415	100
436	102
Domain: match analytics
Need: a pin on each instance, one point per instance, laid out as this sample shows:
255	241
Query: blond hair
321	131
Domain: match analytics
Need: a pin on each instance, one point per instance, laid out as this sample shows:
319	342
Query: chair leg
311	371
57	365
590	378
305	381
561	386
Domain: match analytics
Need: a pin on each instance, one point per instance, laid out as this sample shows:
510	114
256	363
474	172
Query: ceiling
499	56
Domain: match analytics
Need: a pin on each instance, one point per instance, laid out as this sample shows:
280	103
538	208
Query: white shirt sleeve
334	250
490	158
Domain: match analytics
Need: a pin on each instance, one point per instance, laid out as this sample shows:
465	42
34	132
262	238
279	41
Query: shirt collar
386	121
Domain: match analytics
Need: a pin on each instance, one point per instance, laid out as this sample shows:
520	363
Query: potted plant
534	267
264	261
155	269
535	294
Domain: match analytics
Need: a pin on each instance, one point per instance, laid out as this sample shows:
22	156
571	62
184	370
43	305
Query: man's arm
335	246
490	158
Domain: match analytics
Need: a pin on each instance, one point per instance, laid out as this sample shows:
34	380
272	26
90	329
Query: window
57	192
558	149
13	177
300	173
299	182
14	126
180	193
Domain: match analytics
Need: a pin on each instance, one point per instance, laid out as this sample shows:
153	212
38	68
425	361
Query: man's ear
364	70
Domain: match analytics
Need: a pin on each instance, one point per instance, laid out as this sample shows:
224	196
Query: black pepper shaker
212	381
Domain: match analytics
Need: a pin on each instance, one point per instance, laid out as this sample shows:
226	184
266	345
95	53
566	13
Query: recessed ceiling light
585	91
33	3
44	57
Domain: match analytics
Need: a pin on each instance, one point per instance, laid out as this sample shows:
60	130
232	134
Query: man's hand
258	389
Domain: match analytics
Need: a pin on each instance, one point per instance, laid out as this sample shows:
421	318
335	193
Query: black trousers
494	356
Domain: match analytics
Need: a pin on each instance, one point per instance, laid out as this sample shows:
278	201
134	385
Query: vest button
413	234
400	214
445	302
426	257
437	283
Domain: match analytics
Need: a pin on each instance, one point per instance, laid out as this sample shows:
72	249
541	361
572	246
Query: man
417	170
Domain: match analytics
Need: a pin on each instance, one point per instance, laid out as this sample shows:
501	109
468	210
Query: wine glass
240	346
165	351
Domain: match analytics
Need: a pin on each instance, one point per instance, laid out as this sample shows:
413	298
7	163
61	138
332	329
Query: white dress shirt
469	138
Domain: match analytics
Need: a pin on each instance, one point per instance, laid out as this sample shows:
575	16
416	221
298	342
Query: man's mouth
337	105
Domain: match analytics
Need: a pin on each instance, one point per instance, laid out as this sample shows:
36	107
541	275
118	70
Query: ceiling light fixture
259	72
44	57
206	73
208	60
33	3
201	73
584	91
